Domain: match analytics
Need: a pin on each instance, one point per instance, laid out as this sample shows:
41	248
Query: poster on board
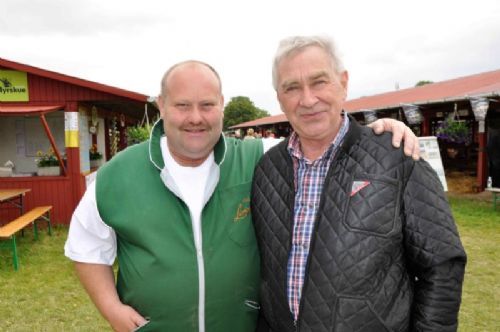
429	151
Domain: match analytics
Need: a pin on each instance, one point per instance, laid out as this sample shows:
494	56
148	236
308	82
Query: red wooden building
42	109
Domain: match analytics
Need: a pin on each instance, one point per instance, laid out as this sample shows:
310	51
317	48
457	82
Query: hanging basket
454	130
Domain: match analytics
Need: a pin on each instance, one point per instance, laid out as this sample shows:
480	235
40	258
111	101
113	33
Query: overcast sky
130	43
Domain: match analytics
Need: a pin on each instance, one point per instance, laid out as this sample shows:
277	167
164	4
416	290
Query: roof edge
427	102
73	80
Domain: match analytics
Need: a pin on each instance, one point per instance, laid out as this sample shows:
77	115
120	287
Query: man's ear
279	101
222	105
161	105
344	80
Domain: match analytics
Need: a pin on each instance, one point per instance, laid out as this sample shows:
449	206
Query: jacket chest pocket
235	202
372	205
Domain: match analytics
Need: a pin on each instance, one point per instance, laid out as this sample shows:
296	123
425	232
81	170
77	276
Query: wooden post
481	161
73	156
426	124
52	142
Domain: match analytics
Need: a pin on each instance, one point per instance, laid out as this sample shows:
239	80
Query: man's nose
308	98
195	115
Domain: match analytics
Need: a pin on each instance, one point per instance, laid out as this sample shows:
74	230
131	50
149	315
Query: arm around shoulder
400	132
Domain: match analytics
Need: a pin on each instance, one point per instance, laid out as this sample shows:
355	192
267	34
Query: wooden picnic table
14	197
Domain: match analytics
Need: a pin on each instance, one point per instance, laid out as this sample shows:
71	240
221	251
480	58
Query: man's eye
291	88
181	105
319	82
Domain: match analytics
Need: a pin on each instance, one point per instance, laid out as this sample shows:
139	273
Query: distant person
353	235
270	134
250	134
493	150
237	133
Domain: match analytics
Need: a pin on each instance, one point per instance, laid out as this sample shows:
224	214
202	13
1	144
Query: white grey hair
295	44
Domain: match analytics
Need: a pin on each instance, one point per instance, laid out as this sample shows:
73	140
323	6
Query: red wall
43	89
45	190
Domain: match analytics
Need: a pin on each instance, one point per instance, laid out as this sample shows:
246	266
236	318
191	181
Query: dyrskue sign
13	85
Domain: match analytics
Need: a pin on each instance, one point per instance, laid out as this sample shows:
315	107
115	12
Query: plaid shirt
308	178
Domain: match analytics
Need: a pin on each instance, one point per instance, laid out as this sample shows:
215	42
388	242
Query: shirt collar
295	150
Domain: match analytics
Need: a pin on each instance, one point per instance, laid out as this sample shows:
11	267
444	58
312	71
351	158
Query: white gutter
427	102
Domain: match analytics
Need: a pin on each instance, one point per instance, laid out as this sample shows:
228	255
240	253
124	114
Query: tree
423	82
241	109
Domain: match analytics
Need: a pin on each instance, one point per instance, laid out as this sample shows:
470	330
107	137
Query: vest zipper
201	290
292	204
198	244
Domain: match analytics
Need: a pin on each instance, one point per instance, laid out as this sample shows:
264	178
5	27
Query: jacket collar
155	155
352	135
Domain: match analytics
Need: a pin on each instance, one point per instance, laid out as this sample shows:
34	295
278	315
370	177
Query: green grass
479	228
44	295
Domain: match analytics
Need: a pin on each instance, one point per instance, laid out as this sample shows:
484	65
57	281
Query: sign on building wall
13	86
429	151
71	129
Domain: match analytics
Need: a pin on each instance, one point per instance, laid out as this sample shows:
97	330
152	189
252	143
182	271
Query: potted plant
138	134
95	157
47	163
454	131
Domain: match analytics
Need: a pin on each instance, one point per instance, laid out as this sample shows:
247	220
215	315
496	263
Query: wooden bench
8	231
495	192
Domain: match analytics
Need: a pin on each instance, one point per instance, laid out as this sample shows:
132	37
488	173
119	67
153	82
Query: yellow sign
71	129
13	86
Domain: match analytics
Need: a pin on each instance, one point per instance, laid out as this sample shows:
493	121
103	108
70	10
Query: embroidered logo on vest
243	209
357	186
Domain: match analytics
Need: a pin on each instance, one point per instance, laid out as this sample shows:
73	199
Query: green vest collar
155	155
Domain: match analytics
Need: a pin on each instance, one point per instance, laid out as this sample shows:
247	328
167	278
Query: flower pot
95	163
452	152
49	171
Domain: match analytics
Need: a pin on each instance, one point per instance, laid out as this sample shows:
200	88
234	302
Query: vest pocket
235	201
143	328
357	315
252	305
372	204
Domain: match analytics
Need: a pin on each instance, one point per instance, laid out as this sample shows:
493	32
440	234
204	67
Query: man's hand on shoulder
400	132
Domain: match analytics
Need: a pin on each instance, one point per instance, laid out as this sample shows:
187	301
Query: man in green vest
175	212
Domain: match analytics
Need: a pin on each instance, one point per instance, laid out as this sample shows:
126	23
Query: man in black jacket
353	235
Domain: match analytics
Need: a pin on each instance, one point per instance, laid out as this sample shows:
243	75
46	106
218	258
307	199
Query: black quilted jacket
387	258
